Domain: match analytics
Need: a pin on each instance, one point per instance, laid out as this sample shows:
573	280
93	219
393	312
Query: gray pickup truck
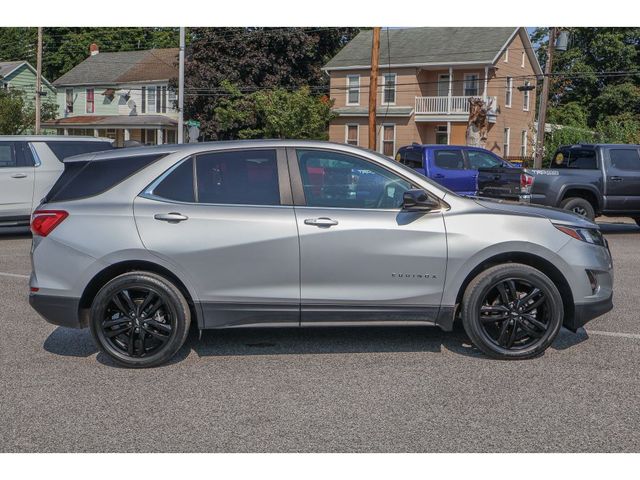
590	180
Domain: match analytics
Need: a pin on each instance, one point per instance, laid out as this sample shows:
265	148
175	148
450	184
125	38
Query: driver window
332	179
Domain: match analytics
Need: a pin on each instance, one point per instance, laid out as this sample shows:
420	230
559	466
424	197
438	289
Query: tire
579	206
483	301
140	319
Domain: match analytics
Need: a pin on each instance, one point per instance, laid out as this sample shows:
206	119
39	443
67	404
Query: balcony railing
446	105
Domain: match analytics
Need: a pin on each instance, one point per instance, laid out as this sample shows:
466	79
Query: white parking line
14	275
614	334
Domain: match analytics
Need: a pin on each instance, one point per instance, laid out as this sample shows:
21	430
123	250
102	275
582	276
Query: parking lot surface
308	390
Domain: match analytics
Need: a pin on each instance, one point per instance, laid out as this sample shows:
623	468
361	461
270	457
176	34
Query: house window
151	100
509	92
143	103
159	100
505	142
351	135
471	85
442	135
164	99
388	140
353	89
389	88
90	101
443	85
506	56
68	93
523	144
526	96
523	59
172	101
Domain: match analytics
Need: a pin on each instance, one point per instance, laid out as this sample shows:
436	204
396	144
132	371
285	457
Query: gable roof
7	68
431	46
109	68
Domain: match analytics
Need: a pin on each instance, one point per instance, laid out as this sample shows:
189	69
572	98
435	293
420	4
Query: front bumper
63	311
584	312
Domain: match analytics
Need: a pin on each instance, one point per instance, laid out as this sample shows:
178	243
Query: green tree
17	114
623	128
253	59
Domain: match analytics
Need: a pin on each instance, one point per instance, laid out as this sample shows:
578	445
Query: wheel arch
591	194
532	260
116	269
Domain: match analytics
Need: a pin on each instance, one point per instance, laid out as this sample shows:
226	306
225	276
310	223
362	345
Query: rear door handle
615	179
321	222
173	217
19	175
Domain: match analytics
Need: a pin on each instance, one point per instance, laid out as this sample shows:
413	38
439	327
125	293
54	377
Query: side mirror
418	201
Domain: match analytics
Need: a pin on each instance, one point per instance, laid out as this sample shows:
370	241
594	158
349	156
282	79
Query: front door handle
615	179
19	175
173	217
321	222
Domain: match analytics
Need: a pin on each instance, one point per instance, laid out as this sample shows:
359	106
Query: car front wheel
140	319
512	311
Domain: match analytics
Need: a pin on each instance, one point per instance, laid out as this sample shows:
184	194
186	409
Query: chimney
93	49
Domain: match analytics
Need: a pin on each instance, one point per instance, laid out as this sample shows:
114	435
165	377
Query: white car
30	165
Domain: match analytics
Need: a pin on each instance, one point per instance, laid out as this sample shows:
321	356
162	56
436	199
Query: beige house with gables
427	76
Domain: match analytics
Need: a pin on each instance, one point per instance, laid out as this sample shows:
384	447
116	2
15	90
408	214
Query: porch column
448	133
486	79
96	133
66	131
127	134
450	90
159	139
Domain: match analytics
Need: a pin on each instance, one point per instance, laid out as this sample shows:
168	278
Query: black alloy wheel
514	314
512	311
140	319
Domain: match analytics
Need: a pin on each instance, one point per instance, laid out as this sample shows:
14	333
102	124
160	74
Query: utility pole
181	88
38	81
373	87
544	97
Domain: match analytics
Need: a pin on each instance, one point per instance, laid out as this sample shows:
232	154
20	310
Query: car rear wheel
512	311
140	319
580	206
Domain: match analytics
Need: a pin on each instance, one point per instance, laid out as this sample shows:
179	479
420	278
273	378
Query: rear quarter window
90	178
65	149
412	158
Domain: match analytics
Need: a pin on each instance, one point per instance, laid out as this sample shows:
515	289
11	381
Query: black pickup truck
590	180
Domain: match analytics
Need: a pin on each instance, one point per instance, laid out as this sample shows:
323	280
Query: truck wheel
579	206
512	311
140	319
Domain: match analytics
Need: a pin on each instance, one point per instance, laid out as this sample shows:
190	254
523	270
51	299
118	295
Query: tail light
526	182
44	221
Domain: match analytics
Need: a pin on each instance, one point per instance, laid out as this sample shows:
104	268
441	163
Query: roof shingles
110	68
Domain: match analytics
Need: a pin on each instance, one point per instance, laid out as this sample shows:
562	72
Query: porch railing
445	105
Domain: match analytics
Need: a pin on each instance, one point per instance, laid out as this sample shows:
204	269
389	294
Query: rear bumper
585	312
61	311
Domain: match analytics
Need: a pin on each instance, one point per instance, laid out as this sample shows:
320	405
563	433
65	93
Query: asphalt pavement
322	390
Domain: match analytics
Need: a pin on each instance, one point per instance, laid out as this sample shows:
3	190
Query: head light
589	235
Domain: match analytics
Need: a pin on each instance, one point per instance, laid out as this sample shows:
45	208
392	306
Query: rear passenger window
411	158
88	178
178	184
7	155
625	159
64	149
449	159
583	159
248	177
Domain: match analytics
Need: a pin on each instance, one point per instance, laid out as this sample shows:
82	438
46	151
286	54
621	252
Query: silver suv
138	244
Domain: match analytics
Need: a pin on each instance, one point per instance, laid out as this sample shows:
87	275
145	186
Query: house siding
25	80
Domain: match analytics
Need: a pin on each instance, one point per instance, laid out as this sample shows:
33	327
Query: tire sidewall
573	202
175	301
480	287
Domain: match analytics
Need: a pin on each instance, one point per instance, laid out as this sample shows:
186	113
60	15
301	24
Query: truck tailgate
503	183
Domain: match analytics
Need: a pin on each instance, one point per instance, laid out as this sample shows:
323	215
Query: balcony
454	105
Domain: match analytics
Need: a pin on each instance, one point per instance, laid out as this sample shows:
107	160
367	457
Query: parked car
29	166
589	180
455	166
138	243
